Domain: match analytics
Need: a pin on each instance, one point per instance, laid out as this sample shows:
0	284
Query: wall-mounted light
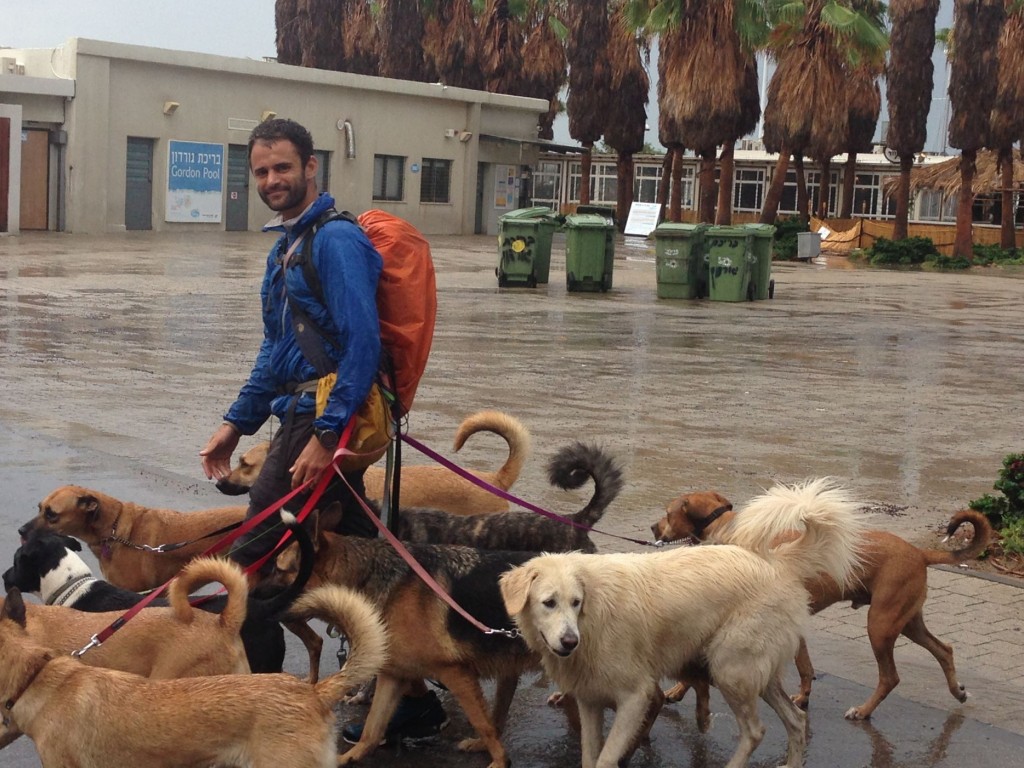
170	107
267	114
465	136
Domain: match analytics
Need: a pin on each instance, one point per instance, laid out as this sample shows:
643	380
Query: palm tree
544	66
865	107
588	79
452	43
319	27
360	38
502	49
1008	111
626	119
669	52
286	17
401	41
910	81
972	92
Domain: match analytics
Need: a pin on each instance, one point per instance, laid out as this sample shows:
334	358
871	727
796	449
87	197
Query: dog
116	532
430	486
47	566
94	718
892	579
429	640
161	643
609	627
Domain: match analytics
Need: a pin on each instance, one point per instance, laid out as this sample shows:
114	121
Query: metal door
138	186
237	214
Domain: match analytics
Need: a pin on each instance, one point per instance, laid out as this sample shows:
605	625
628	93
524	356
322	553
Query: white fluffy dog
608	628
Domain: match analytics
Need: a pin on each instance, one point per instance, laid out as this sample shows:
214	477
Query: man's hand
216	456
311	462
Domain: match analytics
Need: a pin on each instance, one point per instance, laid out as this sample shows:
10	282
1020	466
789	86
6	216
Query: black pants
275	482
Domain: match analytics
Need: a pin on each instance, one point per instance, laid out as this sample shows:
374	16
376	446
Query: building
103	137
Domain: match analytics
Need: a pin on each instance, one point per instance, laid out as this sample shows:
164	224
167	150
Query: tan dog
94	718
892	579
430	486
609	627
115	530
161	643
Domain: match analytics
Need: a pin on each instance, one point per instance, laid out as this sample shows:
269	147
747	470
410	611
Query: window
435	181
603	182
547	183
748	190
788	202
388	174
868	199
646	179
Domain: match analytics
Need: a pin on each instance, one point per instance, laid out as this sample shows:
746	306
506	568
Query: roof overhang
541	144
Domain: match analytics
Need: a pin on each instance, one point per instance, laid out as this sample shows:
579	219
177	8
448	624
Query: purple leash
466	475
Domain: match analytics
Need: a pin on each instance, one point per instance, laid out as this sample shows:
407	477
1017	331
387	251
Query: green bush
910	251
950	262
985	255
1008	509
786	229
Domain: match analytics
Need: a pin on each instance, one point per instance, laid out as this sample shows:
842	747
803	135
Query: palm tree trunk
770	209
849	183
963	245
585	173
665	180
803	202
824	189
901	230
723	215
1007	236
676	206
708	193
624	184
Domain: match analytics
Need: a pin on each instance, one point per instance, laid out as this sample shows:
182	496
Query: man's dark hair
279	128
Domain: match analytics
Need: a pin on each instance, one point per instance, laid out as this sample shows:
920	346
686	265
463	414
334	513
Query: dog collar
71	591
9	704
699	526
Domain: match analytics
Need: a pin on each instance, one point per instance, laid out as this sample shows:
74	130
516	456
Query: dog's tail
206	570
982	538
823	513
574	464
263	608
360	622
510	428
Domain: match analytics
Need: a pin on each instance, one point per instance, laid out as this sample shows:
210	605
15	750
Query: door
237	214
5	170
35	175
138	184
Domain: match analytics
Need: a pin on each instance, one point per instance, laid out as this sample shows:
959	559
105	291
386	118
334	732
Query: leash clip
94	642
659	543
511	634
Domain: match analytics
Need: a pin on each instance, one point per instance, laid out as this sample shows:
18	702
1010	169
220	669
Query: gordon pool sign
195	181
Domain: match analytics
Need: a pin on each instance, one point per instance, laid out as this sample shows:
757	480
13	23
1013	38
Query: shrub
950	262
1008	509
909	251
985	255
786	230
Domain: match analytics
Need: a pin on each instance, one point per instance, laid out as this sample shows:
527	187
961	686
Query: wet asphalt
119	353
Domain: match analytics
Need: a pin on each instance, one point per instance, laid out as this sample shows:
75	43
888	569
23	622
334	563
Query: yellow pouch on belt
372	432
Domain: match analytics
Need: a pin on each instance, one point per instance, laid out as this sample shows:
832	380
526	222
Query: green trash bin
679	260
761	279
730	263
589	252
524	246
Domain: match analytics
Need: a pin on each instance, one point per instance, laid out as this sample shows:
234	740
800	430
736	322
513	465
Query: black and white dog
47	566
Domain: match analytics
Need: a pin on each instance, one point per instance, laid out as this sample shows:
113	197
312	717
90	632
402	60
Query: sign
506	186
642	219
195	181
414	168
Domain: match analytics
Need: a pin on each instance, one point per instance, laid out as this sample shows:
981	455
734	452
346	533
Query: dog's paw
556	700
853	713
472	745
801	700
676	693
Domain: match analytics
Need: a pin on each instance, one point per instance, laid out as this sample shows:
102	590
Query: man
283	382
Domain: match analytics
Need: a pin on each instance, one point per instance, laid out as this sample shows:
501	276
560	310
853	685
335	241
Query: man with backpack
315	383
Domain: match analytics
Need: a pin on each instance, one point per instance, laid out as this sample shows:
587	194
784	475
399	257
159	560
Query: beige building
102	137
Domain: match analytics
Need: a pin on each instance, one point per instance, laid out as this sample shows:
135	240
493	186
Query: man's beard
296	194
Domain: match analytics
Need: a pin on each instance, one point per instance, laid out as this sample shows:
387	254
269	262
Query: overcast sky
242	28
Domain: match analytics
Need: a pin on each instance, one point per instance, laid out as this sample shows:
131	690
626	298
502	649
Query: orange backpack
406	301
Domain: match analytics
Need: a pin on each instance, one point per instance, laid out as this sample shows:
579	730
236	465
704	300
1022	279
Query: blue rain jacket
349	268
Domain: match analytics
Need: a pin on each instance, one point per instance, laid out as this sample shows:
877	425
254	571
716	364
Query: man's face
283	182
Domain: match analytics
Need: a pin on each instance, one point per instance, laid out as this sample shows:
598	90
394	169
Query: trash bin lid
587	221
761	230
676	229
722	230
536	212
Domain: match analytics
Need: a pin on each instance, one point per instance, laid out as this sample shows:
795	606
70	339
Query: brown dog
93	718
892	578
116	531
427	485
162	643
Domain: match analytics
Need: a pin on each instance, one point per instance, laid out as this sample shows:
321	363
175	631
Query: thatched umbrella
972	92
945	177
910	76
1008	110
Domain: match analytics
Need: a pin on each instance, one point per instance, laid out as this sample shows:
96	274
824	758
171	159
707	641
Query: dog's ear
14	607
72	543
515	588
90	505
722	501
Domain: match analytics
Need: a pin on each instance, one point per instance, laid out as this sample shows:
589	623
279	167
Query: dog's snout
26	529
568	642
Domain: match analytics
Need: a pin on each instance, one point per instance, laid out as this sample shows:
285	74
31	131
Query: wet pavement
118	355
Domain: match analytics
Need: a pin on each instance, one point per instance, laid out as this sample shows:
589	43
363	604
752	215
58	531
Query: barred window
388	174
435	181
